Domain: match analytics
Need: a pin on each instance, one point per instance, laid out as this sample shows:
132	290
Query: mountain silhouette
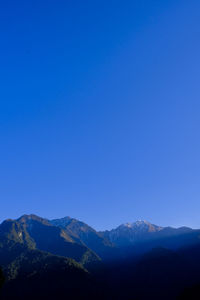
67	258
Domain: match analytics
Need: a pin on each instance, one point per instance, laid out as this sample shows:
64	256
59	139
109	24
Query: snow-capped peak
139	223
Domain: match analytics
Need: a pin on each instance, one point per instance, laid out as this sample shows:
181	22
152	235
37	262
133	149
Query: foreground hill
60	259
35	274
159	274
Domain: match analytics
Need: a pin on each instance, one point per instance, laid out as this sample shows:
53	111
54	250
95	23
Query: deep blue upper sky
100	110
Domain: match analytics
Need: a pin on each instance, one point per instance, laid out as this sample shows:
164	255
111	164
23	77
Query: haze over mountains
70	237
32	248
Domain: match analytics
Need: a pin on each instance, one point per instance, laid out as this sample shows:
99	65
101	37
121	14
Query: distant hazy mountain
85	235
131	234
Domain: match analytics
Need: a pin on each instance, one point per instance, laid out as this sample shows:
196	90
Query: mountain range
67	256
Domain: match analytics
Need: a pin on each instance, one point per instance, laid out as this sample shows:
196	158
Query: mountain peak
141	225
27	218
62	222
138	223
130	233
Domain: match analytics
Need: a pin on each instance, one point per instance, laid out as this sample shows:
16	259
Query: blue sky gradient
100	110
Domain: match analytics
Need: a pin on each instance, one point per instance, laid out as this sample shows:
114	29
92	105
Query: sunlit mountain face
67	256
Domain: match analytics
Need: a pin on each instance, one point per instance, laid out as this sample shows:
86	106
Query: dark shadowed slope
34	255
2	279
39	275
85	235
159	274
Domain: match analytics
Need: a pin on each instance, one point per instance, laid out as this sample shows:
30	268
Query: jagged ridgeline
34	253
67	259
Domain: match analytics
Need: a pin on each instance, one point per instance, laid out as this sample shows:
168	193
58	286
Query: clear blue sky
100	110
